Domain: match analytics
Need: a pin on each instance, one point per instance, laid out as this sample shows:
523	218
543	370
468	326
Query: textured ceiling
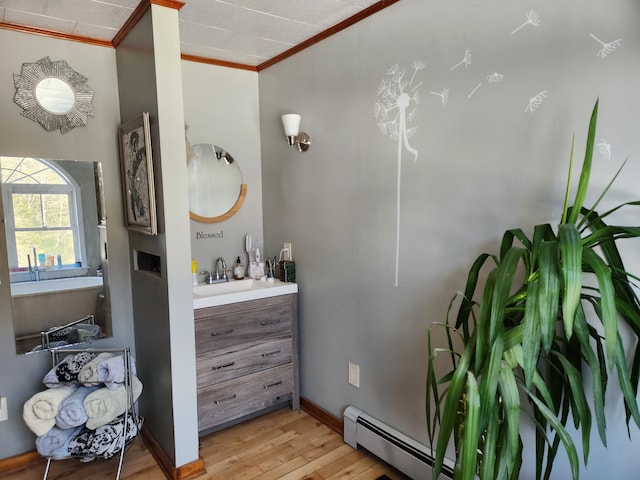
248	32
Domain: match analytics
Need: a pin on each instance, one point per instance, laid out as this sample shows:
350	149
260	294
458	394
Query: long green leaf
532	334
489	450
596	368
503	285
483	327
569	446
469	291
604	192
489	379
565	207
432	392
571	267
625	382
548	295
583	183
452	401
511	400
469	457
577	391
607	300
552	451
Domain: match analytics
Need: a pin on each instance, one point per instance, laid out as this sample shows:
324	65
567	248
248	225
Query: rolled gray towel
104	405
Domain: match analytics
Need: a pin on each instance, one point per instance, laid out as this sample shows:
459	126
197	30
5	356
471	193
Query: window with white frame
42	211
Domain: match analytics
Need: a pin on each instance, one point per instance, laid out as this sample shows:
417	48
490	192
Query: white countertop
233	291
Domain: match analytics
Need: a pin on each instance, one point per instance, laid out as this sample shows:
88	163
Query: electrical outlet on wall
354	374
4	414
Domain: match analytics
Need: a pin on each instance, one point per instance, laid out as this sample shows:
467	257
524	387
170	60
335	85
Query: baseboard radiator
394	447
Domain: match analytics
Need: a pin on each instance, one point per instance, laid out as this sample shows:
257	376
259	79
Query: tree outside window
41	212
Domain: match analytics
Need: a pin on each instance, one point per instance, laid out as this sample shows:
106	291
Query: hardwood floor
280	445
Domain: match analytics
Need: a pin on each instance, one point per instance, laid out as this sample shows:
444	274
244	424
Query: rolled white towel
89	373
39	412
104	404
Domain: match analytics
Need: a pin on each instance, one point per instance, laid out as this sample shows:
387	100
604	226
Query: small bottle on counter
238	270
194	272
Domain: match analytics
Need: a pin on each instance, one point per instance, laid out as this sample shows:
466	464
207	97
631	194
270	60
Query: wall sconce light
291	123
223	154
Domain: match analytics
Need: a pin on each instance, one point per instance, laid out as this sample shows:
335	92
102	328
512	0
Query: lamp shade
291	124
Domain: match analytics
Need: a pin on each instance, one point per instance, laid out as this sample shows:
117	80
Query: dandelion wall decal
605	149
444	95
532	19
495	77
536	101
474	90
393	109
607	47
466	61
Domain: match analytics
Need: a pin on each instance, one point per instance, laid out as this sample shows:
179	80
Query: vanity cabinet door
245	359
232	328
242	396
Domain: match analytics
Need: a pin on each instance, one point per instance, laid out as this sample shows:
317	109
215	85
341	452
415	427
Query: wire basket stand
57	355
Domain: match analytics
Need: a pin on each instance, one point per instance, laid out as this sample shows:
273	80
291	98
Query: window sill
49	274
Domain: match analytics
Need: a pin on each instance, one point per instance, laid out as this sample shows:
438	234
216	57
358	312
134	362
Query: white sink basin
233	291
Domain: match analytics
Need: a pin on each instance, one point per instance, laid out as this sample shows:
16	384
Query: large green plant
530	339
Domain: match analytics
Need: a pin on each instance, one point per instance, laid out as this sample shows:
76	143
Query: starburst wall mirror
53	94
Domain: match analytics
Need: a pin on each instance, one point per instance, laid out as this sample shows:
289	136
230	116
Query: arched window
43	214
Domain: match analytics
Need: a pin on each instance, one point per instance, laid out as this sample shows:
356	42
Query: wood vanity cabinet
246	359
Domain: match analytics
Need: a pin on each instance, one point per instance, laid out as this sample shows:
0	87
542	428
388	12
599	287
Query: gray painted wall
485	164
221	107
150	80
20	375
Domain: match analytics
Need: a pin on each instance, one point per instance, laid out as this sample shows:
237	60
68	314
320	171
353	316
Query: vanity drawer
235	398
217	332
232	362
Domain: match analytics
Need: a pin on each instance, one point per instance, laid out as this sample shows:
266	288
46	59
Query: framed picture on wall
137	176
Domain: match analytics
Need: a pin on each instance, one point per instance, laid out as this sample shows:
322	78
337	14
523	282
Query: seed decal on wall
607	47
532	19
466	61
495	77
475	89
604	148
396	107
444	95
536	101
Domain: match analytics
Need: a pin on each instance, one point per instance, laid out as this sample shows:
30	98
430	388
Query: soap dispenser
238	270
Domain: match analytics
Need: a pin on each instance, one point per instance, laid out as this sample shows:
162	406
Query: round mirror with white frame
53	94
216	190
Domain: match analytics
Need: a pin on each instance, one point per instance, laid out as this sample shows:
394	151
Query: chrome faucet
221	277
35	270
35	273
209	275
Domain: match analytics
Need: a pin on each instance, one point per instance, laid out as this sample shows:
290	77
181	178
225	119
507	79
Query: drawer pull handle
225	399
270	322
274	384
224	366
270	354
224	332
